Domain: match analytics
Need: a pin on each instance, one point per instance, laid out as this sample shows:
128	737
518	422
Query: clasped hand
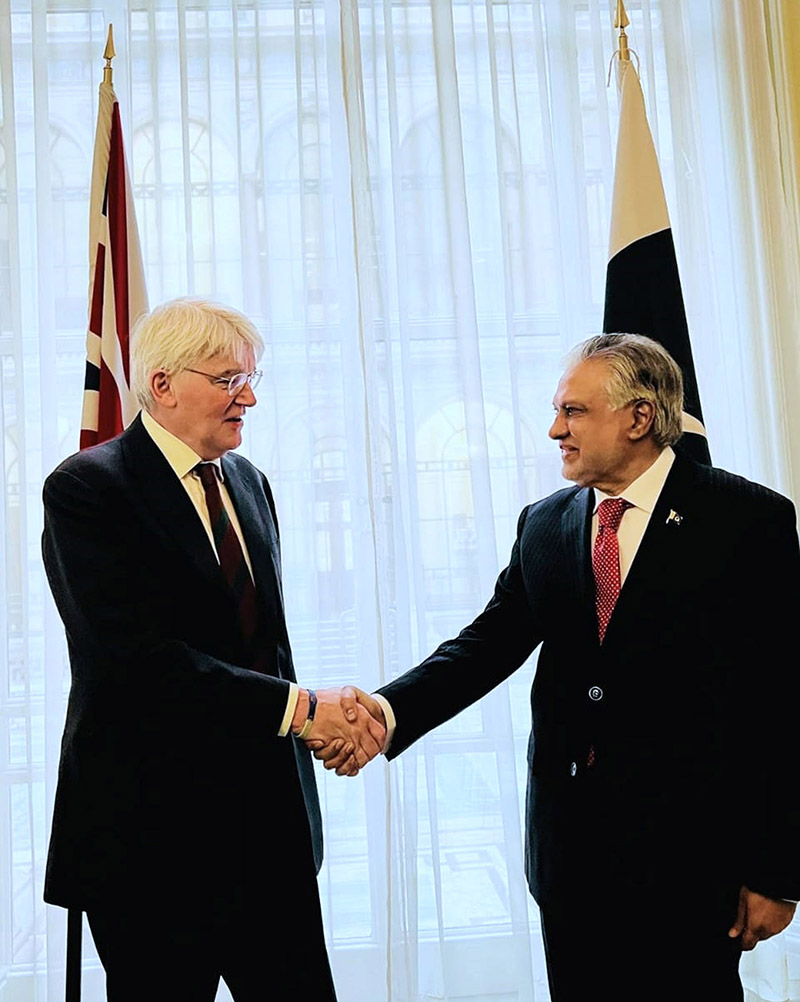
349	730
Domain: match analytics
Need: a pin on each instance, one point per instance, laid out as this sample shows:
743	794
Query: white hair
182	332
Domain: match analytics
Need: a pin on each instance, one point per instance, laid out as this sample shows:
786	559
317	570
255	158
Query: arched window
195	236
444	489
426	225
70	175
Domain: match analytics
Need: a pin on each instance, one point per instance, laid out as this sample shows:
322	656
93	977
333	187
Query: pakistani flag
643	290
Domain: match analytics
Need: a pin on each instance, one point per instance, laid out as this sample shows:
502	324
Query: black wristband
312	708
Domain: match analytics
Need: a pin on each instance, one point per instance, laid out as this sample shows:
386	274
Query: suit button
595	693
573	769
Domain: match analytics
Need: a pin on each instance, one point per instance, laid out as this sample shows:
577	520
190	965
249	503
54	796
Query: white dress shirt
183	460
642	494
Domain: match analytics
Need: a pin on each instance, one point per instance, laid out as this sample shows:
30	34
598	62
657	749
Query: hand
336	754
347	733
759	917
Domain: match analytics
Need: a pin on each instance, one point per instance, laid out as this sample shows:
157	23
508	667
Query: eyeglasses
235	383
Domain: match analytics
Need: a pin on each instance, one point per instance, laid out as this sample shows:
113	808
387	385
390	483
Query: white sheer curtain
411	200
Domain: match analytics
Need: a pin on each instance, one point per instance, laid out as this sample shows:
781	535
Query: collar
180	456
645	489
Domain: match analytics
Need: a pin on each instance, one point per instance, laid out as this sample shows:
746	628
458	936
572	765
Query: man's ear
643	415
161	388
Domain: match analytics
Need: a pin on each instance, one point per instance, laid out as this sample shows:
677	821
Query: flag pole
621	21
108	54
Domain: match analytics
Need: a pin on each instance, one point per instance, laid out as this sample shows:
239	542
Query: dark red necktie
232	563
605	560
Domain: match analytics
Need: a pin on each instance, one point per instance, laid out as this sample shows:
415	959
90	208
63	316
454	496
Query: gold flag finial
621	21
108	54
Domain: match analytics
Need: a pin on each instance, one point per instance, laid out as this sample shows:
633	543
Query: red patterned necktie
232	563
605	559
605	562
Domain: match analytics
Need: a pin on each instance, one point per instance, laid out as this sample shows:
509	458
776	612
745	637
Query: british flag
117	294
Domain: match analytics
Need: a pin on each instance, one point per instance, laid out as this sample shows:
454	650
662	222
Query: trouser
273	951
636	950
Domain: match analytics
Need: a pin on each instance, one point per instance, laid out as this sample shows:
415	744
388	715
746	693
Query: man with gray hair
186	821
663	829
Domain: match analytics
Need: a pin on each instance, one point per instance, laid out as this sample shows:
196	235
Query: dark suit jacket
174	787
690	703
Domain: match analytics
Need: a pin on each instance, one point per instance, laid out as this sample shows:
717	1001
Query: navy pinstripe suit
690	702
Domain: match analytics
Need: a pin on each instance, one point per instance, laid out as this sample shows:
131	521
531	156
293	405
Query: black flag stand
73	979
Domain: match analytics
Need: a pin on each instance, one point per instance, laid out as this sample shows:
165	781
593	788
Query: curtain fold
411	200
782	30
763	213
783	41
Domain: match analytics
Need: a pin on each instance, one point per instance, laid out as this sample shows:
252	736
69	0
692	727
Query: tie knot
207	474
610	512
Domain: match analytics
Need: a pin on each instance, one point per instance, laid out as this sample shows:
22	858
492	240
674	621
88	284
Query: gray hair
182	332
639	369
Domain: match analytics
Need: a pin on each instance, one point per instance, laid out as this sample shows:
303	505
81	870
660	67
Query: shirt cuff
291	706
391	721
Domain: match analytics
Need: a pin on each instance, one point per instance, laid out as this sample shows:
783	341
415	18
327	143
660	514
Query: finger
348	701
342	755
370	747
337	763
377	732
348	769
369	728
741	917
324	752
749	940
373	707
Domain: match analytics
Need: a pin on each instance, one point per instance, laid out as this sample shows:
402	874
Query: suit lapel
576	529
165	502
259	536
660	559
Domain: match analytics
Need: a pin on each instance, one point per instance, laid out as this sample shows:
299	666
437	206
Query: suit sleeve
125	637
770	804
462	670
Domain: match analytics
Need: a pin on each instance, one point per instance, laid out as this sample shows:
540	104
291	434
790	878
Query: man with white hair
186	820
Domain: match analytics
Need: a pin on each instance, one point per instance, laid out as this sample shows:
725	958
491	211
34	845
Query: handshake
347	731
